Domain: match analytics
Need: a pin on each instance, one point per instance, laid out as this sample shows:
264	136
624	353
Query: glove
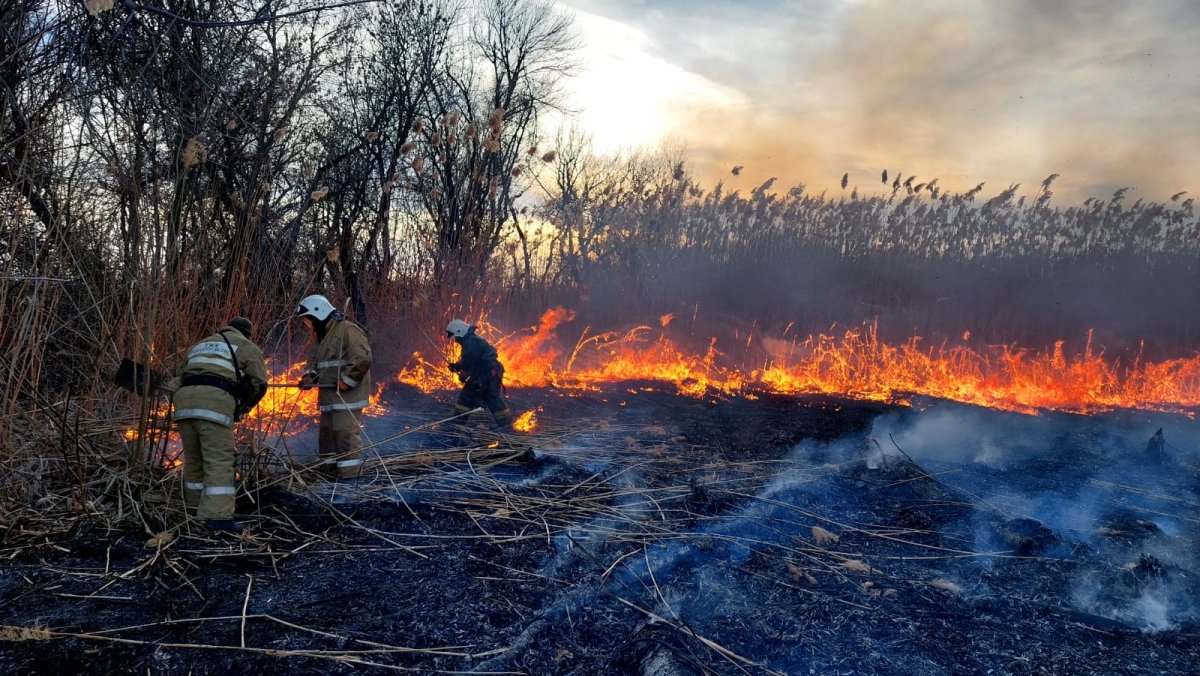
456	367
308	381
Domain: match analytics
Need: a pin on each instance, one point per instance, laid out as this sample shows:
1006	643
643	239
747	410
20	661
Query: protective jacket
479	360
223	377
482	376
344	356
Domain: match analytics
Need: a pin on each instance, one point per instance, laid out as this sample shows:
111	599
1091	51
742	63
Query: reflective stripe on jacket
342	356
212	357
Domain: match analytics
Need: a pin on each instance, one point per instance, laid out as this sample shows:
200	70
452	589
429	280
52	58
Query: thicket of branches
166	165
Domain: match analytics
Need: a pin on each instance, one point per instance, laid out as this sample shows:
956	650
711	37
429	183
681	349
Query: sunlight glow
627	96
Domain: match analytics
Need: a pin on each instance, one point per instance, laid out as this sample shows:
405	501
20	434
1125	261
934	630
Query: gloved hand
456	367
308	381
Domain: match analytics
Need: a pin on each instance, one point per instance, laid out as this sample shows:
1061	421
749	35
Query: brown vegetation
162	169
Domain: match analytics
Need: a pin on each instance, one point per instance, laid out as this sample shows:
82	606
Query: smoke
964	90
959	436
1074	473
1107	522
1129	308
951	433
1087	489
1062	484
1149	600
1043	79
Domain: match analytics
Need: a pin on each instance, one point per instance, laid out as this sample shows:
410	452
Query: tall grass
159	178
1007	267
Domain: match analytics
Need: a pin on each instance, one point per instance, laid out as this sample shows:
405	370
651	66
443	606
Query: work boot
321	470
504	422
224	526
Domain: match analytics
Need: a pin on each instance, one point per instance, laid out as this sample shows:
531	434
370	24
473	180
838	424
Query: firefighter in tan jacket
223	378
339	363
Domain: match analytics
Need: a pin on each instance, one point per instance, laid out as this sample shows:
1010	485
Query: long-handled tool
434	345
134	377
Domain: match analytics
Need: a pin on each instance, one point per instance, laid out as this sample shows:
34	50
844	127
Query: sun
626	96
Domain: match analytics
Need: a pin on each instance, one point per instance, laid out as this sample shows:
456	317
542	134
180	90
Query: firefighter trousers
340	443
488	393
209	481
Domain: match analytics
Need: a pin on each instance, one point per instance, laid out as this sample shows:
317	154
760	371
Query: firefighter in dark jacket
481	374
223	378
340	363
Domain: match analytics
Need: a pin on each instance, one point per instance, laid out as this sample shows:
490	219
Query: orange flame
855	364
527	421
283	411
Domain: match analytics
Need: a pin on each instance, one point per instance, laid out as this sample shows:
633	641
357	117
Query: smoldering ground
642	528
1115	493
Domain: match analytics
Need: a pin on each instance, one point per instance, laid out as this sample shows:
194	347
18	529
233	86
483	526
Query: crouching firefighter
481	375
339	363
223	378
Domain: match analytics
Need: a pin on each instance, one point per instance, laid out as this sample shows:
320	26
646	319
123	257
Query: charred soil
635	531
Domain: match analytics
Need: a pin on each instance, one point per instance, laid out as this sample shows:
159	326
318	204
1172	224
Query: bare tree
494	94
367	121
34	82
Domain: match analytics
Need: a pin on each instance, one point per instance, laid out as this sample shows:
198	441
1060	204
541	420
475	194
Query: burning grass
856	364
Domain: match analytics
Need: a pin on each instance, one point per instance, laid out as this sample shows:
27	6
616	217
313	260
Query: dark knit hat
243	325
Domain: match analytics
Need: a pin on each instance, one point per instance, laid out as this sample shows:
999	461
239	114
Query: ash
636	531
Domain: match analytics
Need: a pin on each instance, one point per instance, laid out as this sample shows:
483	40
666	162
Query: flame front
856	364
282	412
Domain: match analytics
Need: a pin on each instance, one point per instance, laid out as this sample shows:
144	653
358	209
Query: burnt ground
643	532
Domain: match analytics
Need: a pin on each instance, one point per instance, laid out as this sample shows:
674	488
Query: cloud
1104	92
1094	90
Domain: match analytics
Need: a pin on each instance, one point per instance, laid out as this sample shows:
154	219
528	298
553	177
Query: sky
1104	92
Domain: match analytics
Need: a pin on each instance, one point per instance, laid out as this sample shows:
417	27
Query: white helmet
457	328
318	307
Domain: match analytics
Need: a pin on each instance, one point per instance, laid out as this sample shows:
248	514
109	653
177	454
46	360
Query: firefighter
223	378
339	363
481	374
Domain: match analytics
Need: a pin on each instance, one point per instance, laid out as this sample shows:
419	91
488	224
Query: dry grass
98	7
856	566
946	585
193	153
823	537
10	633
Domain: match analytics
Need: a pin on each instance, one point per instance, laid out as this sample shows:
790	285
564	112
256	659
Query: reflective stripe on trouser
340	442
208	473
192	490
